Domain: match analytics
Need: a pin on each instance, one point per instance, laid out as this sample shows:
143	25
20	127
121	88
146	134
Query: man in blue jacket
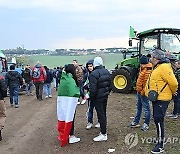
99	88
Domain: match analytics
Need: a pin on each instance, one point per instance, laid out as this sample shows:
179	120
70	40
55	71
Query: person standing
79	74
47	83
99	88
142	101
163	81
39	76
89	68
26	74
3	93
14	80
68	94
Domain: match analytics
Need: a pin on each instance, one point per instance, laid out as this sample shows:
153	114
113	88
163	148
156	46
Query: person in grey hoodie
13	80
99	88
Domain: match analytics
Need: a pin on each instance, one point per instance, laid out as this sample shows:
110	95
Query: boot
0	136
60	128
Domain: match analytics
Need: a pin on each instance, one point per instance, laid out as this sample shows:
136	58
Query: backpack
36	73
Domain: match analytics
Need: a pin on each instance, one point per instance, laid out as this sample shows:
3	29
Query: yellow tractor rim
120	82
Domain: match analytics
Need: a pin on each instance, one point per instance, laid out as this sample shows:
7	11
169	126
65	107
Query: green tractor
125	74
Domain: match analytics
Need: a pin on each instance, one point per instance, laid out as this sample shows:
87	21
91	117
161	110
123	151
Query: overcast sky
51	24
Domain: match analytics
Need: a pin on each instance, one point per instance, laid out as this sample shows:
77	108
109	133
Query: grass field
110	60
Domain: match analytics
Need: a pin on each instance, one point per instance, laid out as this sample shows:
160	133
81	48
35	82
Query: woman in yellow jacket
163	81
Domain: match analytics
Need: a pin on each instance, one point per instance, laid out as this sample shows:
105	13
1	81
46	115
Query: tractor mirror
130	43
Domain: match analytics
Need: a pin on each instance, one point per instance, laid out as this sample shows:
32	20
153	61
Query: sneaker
170	115
73	139
101	137
175	116
31	94
83	102
133	125
89	125
50	96
97	125
46	97
16	106
145	127
78	103
158	149
27	94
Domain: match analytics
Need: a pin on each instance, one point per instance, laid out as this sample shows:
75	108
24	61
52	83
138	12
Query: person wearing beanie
163	81
99	88
142	101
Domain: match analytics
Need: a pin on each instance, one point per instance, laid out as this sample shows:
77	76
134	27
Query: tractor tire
121	81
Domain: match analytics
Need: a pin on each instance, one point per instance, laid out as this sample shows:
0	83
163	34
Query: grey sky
52	24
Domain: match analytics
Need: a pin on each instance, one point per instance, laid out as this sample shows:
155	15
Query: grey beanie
158	54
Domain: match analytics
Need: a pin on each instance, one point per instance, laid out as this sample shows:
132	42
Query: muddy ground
31	129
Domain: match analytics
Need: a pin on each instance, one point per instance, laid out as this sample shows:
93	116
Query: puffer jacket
100	83
13	78
144	73
162	74
43	74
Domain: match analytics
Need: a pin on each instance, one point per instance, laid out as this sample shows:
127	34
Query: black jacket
13	78
100	83
3	88
26	74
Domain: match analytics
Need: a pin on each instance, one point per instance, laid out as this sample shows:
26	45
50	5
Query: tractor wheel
121	81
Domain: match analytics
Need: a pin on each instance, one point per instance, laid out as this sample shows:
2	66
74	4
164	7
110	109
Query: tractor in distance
126	71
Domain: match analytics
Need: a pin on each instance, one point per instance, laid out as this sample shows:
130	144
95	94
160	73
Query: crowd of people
158	82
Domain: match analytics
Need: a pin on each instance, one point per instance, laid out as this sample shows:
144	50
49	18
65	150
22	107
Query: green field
110	60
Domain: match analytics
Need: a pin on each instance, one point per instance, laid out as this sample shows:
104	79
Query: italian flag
68	94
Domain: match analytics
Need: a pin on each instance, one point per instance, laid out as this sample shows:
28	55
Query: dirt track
31	129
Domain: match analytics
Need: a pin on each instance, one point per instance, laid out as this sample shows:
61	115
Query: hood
97	61
89	62
38	65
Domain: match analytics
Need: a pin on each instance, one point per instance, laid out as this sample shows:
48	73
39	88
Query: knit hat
143	59
158	54
97	61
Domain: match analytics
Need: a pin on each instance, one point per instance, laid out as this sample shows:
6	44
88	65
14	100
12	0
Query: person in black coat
99	88
14	80
3	93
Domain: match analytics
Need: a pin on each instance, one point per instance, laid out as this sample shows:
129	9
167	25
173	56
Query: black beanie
143	59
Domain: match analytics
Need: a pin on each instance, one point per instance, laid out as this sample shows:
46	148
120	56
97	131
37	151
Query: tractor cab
125	75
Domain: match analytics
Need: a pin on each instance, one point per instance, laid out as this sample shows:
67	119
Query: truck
125	75
3	64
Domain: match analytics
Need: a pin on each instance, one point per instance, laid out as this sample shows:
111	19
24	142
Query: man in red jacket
39	76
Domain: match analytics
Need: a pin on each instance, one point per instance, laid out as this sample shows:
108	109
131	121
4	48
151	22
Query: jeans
142	102
47	89
14	94
90	111
81	89
54	80
39	90
29	87
176	100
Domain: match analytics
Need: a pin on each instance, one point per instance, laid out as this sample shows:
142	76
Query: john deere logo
131	140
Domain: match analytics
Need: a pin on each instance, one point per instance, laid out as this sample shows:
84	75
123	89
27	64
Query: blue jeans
81	89
14	93
29	87
176	100
142	102
90	111
47	89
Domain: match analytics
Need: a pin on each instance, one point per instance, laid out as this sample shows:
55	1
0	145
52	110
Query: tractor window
170	42
148	43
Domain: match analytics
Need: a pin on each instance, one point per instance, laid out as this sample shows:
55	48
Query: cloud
80	43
